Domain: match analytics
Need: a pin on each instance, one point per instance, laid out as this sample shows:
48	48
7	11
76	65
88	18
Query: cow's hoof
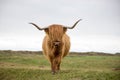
53	73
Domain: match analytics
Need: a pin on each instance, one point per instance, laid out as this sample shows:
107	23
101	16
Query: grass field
19	66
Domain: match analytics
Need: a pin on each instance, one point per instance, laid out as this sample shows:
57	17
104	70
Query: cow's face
55	33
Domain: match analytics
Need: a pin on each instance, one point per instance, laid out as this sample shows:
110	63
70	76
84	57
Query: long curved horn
73	25
37	26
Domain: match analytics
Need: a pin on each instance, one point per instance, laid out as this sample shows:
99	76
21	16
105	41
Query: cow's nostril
56	44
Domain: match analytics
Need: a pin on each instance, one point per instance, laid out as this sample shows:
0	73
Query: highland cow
56	44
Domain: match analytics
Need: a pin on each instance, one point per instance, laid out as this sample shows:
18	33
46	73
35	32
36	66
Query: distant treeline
71	53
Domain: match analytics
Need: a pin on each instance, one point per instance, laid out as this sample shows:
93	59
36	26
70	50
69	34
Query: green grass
36	67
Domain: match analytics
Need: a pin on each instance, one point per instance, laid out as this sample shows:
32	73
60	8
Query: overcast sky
98	31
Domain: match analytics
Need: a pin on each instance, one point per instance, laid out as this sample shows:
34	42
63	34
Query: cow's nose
56	43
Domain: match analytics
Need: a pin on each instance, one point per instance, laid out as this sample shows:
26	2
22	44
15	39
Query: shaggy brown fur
56	44
56	33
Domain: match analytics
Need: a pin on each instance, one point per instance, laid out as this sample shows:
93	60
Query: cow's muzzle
56	43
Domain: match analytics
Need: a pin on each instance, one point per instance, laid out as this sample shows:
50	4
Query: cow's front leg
58	63
53	66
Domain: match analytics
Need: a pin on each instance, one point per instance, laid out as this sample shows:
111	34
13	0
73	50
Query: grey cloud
100	17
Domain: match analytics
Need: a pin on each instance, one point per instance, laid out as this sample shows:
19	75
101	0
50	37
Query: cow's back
66	45
45	46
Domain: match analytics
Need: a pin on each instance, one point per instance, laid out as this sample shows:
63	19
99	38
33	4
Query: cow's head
55	32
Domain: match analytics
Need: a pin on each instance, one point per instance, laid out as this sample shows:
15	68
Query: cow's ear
64	29
46	31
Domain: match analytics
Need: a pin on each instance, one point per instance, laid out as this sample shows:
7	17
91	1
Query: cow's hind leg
58	67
